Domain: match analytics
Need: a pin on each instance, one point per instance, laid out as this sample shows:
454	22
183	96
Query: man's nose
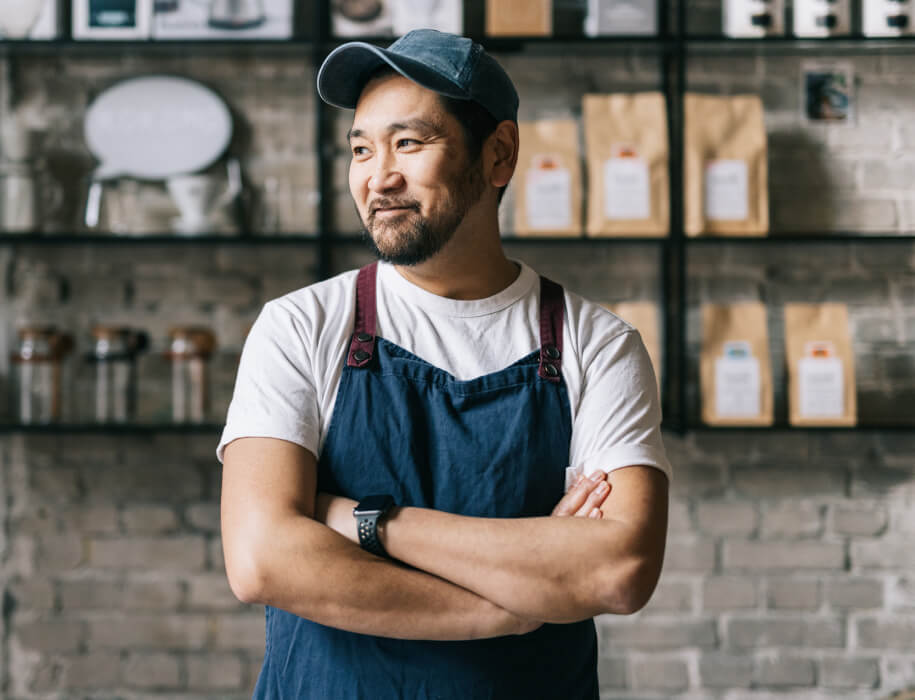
386	177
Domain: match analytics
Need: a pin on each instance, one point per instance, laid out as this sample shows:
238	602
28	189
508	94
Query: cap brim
347	68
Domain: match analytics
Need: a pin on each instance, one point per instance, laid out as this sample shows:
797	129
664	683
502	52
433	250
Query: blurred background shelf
825	237
785	428
216	428
69	48
111	429
789	44
154	239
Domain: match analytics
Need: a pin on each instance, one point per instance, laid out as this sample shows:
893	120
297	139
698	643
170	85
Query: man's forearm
311	571
557	570
551	569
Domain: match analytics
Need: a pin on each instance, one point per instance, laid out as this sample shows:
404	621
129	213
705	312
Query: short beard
423	237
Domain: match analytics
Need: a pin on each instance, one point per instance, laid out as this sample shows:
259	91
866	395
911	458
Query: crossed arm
288	547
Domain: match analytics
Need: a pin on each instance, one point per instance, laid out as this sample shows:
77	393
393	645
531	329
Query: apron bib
495	446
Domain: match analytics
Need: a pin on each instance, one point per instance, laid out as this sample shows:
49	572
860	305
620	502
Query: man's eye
359	150
406	142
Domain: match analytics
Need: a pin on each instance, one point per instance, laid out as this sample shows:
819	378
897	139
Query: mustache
386	203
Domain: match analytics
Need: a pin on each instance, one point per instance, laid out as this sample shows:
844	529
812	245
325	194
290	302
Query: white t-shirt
293	358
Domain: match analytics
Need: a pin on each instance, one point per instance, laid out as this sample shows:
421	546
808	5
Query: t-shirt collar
396	283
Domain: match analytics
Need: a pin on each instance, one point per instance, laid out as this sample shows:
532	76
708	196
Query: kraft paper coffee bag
725	168
735	369
626	151
821	365
519	17
547	181
643	316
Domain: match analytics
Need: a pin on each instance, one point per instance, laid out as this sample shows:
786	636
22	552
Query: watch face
374	504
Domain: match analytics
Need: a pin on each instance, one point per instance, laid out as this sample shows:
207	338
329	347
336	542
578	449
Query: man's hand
585	498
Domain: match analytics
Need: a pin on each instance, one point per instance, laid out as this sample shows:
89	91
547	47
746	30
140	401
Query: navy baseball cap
446	63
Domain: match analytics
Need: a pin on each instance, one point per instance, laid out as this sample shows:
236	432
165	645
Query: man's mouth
385	212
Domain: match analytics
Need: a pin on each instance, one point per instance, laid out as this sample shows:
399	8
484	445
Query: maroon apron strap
551	314
362	345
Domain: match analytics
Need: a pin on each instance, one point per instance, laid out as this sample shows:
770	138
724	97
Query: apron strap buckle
551	317
362	346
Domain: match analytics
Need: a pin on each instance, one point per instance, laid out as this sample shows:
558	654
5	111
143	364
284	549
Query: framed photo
827	92
352	18
29	19
49	22
111	19
222	19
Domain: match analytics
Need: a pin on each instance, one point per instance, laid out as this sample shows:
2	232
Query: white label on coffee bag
627	188
624	16
737	382
548	198
726	190
821	384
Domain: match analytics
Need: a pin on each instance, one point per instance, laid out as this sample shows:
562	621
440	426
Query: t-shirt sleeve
275	394
618	421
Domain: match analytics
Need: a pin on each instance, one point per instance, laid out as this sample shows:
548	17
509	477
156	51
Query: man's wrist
336	512
383	530
369	514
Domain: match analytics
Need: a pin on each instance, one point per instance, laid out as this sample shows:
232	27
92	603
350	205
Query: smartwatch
369	511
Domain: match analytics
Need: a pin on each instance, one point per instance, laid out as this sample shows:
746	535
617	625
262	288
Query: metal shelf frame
673	47
105	239
110	428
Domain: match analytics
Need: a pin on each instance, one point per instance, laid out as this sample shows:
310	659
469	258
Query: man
396	450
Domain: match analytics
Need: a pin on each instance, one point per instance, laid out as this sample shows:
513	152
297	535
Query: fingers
596	496
584	496
574	499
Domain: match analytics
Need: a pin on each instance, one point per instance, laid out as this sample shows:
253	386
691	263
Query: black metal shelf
825	237
189	47
498	44
111	428
157	239
786	428
216	428
508	239
790	44
301	46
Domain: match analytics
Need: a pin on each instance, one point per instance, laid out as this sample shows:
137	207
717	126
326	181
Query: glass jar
39	375
189	351
28	197
114	355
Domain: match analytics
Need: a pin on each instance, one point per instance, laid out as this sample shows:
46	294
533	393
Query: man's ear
502	145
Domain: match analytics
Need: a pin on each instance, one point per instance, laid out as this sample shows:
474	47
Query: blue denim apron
493	446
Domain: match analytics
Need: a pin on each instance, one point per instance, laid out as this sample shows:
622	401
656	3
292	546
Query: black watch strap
368	514
368	534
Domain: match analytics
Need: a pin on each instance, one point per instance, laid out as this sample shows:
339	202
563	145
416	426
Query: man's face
410	175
